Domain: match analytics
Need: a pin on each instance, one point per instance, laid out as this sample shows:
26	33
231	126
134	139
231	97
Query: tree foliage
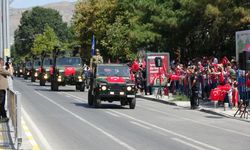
32	24
122	27
45	41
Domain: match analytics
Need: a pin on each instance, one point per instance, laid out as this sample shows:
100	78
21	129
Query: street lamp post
4	28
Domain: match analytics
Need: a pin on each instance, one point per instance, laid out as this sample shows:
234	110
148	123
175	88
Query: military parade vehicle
66	71
27	69
111	82
45	69
19	69
35	69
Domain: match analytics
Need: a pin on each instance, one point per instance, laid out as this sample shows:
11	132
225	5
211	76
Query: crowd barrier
14	109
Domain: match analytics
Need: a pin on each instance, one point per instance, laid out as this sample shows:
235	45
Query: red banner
157	75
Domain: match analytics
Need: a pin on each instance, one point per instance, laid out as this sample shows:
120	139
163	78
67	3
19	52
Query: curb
157	100
201	109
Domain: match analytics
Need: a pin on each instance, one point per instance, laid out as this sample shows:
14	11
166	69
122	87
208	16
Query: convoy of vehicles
108	82
111	82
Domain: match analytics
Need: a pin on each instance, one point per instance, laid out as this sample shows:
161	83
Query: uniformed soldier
96	59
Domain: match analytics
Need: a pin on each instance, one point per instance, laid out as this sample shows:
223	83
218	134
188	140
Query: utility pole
4	29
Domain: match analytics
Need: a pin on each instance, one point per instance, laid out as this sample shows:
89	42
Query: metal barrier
14	109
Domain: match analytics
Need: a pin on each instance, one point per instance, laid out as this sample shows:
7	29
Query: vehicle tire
54	86
42	82
78	87
82	87
33	79
90	98
132	103
25	77
18	75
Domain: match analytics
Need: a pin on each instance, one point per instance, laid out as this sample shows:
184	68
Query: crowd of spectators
197	79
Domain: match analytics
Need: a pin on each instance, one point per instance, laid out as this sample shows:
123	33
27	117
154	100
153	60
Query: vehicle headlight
59	77
129	88
28	73
21	70
104	88
79	77
45	76
36	74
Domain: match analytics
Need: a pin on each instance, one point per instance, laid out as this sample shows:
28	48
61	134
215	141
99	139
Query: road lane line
29	136
112	114
197	122
140	125
188	144
79	99
165	130
36	130
117	140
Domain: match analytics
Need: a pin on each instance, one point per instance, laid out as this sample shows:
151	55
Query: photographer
3	87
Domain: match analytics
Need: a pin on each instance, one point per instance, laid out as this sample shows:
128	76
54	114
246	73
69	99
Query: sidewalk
5	137
206	106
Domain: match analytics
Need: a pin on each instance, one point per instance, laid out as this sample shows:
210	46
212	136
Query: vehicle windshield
69	61
47	62
28	64
119	71
37	63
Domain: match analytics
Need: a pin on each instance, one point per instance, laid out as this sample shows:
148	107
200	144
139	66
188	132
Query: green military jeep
111	82
68	71
45	71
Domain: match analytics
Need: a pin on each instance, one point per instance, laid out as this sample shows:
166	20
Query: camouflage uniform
96	59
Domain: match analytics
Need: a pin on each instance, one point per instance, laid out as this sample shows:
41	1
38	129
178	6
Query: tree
33	23
45	41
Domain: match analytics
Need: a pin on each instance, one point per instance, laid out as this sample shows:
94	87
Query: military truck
67	71
27	70
19	69
45	69
111	82
35	69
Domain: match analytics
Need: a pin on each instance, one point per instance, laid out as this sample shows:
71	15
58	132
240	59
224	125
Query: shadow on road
102	106
62	90
214	117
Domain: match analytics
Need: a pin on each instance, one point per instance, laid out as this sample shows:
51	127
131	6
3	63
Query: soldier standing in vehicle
96	59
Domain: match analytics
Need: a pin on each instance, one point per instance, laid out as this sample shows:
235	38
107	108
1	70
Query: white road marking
89	123
37	131
112	114
197	122
188	144
165	130
140	125
81	99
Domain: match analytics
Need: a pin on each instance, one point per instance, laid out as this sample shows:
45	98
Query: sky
31	3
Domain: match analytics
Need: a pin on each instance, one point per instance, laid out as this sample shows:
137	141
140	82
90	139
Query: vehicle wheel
82	87
25	77
90	98
54	86
78	87
42	82
18	75
132	103
33	79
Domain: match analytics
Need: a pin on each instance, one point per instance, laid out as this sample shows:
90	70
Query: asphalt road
63	121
